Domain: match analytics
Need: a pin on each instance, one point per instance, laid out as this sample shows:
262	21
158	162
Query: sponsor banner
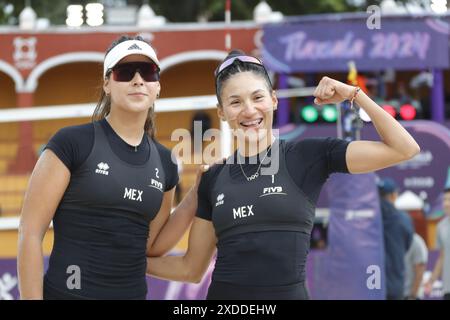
319	279
317	46
157	289
354	258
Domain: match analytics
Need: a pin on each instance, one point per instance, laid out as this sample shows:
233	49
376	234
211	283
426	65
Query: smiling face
136	95
248	105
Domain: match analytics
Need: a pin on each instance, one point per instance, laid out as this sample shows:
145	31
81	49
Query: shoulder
302	144
75	132
167	160
207	181
72	144
210	176
164	152
214	171
419	241
315	144
170	167
72	138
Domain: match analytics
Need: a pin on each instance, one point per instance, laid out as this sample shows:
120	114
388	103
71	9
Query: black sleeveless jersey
263	226
101	225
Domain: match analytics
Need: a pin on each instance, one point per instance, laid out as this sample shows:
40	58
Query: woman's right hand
203	168
200	170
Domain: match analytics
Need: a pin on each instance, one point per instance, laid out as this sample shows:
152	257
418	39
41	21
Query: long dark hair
103	107
236	67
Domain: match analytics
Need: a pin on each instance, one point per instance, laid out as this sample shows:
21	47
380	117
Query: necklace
256	174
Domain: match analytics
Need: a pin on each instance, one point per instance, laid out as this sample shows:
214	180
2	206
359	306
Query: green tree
187	10
55	11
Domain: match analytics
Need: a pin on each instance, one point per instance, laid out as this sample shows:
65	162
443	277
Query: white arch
89	56
178	58
13	73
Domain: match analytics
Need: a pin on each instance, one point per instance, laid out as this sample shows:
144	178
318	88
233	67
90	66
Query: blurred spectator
402	94
398	233
319	236
415	264
442	265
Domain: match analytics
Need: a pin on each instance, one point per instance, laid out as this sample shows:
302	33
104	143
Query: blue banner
402	44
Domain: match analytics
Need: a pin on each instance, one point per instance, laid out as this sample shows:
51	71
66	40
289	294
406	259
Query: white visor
127	48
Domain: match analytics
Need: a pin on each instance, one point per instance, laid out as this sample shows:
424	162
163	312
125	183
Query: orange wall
81	83
69	83
188	79
45	129
8	243
7	91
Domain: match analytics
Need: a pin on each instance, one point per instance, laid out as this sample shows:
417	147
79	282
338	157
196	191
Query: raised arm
46	187
191	266
396	143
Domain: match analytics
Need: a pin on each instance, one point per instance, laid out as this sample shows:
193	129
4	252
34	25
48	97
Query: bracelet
354	97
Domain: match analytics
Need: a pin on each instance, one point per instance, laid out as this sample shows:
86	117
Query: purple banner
9	289
317	270
329	45
157	289
354	259
426	173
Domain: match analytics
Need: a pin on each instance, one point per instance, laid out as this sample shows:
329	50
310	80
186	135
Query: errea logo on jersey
220	199
102	168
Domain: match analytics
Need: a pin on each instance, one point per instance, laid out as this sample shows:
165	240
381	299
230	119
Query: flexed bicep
368	156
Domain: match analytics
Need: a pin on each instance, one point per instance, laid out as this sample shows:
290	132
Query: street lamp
74	15
263	13
27	18
439	6
94	14
147	17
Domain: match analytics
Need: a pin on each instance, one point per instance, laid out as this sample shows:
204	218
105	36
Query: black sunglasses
125	72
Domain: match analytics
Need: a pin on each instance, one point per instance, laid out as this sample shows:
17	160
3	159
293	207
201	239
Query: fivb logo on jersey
277	190
155	183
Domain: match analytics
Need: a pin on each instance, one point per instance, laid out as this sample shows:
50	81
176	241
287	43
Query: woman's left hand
330	91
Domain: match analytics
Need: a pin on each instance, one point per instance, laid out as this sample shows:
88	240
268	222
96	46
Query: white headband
127	48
